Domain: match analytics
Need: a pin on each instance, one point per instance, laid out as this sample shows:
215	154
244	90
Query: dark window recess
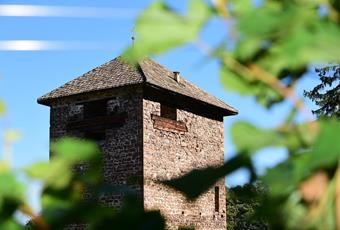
75	117
95	136
168	112
217	199
95	108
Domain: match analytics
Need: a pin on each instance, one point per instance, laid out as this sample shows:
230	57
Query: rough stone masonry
151	124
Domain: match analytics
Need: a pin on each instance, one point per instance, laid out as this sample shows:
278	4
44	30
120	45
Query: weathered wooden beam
167	124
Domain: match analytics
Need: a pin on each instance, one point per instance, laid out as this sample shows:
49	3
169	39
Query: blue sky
82	43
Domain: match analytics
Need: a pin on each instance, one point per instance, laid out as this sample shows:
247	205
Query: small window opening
76	112
168	112
217	199
95	108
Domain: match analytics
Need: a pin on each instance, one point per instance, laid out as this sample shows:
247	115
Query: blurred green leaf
10	187
285	177
326	213
159	28
326	150
56	174
236	83
10	225
249	138
317	44
239	7
11	195
74	150
198	181
247	48
325	153
49	201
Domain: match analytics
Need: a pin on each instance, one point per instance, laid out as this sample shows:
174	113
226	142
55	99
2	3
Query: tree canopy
326	95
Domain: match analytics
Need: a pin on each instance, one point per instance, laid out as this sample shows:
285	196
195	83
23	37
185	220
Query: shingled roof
117	73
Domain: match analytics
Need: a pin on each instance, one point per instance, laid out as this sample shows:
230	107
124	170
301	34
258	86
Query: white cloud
40	45
27	45
65	11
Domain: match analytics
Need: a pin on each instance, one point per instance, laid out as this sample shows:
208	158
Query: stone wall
170	152
121	147
123	154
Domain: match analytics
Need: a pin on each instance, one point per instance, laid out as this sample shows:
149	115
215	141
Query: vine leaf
159	28
196	182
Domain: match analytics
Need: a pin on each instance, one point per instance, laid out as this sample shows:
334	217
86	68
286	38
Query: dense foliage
242	203
75	169
265	50
326	95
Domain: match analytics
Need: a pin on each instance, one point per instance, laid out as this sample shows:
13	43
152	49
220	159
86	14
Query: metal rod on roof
133	36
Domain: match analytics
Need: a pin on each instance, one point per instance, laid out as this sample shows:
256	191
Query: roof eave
44	101
225	111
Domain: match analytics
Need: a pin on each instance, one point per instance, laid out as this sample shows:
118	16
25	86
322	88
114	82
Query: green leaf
159	28
319	44
198	181
10	225
56	174
67	152
10	187
249	138
326	150
234	82
247	48
285	177
245	87
325	153
50	201
11	194
74	150
239	7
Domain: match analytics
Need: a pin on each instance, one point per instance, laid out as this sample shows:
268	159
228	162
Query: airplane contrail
43	45
11	10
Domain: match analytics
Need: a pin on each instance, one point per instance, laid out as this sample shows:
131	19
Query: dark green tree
242	203
326	95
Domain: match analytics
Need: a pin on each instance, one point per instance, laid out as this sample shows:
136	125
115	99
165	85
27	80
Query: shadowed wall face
174	144
114	121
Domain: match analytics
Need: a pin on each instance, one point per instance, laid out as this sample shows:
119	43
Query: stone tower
151	124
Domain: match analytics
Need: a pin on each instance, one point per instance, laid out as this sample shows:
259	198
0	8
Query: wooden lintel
98	123
170	125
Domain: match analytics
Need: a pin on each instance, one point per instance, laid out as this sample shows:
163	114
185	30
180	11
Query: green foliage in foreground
63	189
264	51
